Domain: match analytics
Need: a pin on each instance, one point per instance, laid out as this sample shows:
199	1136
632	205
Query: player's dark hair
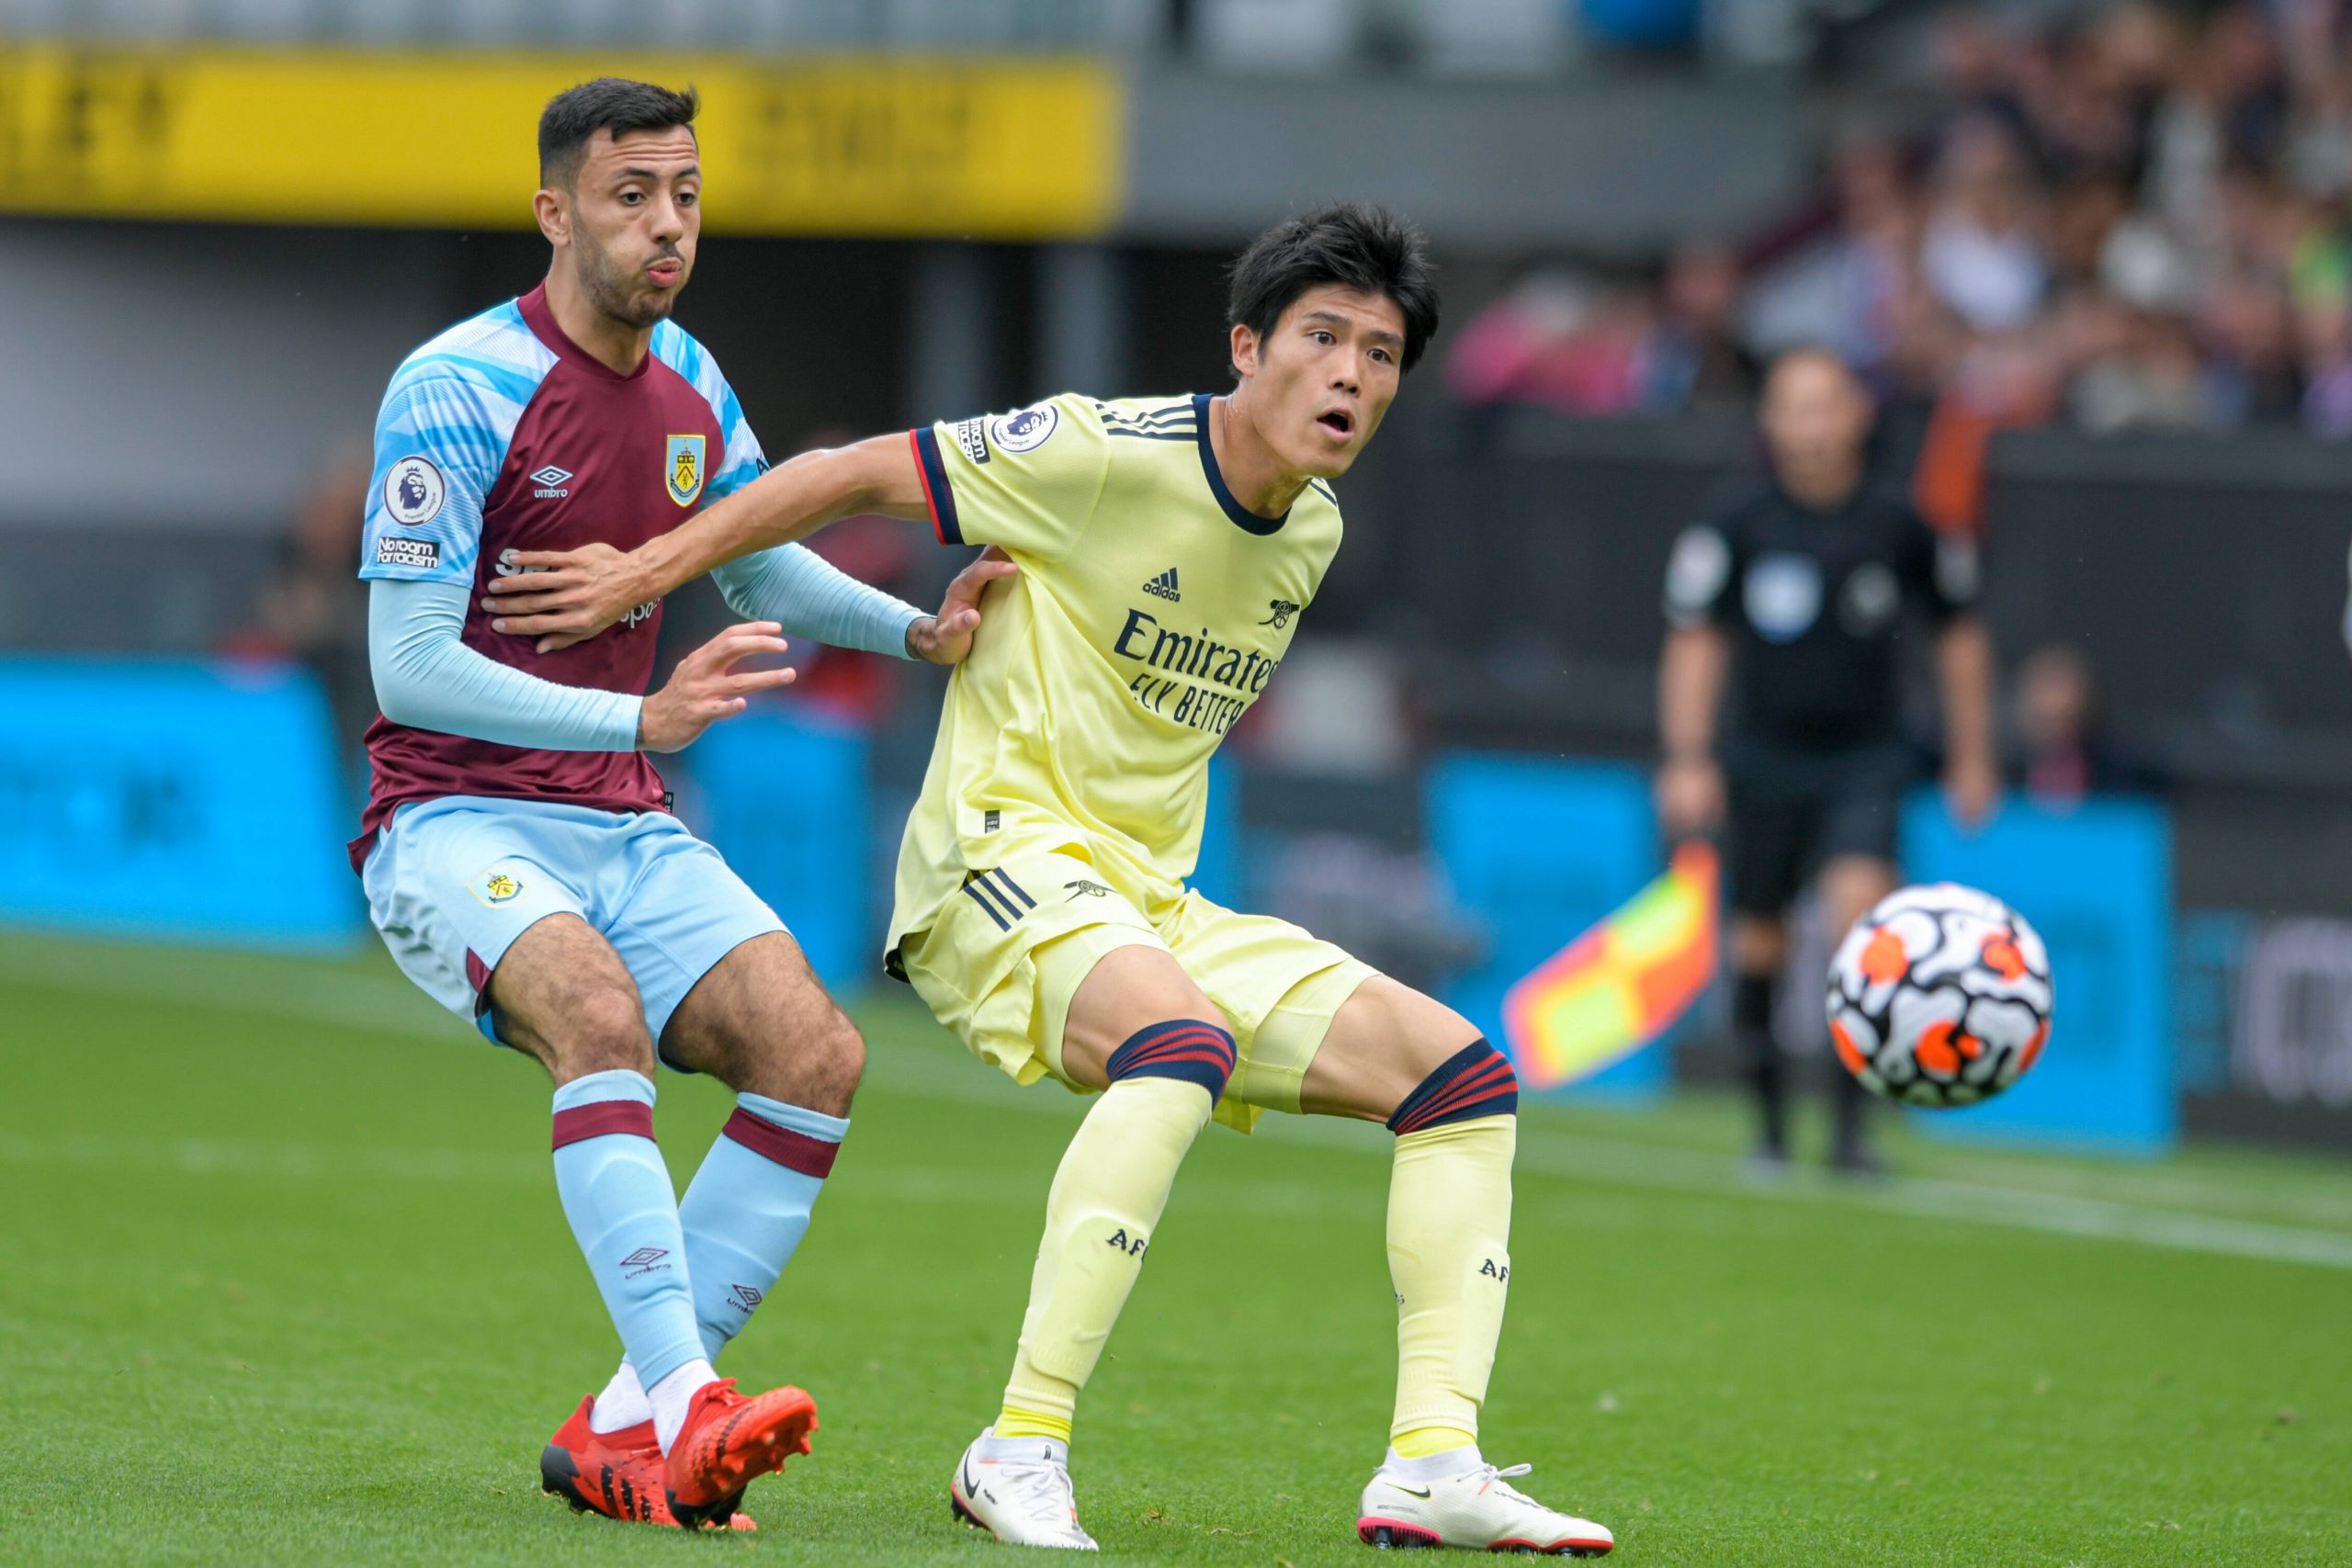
1355	245
616	103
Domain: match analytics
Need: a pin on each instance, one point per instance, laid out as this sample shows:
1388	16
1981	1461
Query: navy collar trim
1242	517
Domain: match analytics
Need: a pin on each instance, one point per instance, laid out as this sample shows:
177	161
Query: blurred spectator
2064	755
1692	356
2325	340
2150	377
1988	387
1852	289
2126	216
1980	253
314	608
1558	340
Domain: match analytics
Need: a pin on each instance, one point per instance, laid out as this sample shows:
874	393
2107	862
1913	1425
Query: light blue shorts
451	883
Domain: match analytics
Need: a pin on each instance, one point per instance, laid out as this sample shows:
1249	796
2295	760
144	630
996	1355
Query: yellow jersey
1150	611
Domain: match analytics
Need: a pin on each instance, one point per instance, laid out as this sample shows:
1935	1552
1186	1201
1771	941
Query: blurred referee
1779	696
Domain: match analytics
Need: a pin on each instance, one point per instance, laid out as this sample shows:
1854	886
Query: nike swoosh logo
970	1491
1408	1491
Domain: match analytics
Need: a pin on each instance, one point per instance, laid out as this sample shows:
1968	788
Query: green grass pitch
284	1280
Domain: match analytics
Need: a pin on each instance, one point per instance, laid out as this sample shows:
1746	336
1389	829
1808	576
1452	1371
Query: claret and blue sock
741	1220
624	1213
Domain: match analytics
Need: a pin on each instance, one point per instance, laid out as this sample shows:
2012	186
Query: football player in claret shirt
516	850
1167	550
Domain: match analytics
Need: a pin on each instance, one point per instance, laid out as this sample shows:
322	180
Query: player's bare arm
570	595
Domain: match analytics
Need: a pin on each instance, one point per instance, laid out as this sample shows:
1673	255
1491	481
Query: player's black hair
616	103
1350	243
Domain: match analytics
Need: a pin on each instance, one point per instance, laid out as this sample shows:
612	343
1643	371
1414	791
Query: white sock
1431	1467
671	1395
623	1402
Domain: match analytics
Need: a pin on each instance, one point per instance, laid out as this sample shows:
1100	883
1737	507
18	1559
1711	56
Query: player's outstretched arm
570	595
810	598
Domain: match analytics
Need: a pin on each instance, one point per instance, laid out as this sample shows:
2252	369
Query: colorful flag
1623	984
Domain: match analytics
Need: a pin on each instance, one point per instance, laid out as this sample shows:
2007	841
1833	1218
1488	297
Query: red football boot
728	1442
618	1474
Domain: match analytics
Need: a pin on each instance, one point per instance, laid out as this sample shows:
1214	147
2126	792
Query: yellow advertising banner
1000	149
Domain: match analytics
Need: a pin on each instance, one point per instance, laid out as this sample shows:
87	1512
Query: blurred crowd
2138	216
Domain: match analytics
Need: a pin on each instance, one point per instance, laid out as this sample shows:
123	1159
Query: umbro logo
550	482
744	1298
1282	611
644	1260
1164	585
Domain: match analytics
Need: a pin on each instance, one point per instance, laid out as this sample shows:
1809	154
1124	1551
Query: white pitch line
306	994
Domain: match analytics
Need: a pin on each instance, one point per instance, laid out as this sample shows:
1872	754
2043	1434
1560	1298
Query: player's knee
815	1061
1194	1050
1475	1081
837	1052
603	1030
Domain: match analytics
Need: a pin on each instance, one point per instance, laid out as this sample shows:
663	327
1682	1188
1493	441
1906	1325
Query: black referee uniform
1809	736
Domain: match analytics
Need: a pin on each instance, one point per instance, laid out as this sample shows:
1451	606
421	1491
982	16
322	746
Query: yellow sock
1423	1441
1015	1422
1449	1256
1104	1204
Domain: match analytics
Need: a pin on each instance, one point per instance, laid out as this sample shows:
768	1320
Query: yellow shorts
1000	964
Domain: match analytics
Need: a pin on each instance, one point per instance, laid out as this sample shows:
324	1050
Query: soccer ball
1940	996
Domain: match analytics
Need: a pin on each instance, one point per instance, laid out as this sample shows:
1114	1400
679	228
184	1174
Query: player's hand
1690	795
563	597
707	687
1972	791
946	637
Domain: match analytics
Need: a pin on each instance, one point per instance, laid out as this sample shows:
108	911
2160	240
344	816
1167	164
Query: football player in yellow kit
1157	556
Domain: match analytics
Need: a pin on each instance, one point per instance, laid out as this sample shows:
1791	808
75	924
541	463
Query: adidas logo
1164	585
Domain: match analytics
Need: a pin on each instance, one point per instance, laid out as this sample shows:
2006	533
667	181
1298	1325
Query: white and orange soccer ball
1939	996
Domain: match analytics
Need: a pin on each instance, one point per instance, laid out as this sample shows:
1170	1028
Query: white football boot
1405	1506
1018	1490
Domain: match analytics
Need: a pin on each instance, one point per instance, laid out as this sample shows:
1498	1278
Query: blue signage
176	800
2097	883
1539	850
787	800
1219	873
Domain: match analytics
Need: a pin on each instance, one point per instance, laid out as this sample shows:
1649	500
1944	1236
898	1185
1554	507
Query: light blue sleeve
801	592
438	449
427	679
741	460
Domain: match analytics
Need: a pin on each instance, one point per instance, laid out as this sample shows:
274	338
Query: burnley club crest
682	469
